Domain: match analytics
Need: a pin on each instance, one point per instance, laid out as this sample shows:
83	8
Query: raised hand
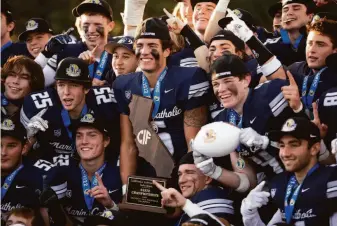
291	93
206	165
89	55
170	197
255	199
100	193
323	129
57	43
174	23
239	27
36	124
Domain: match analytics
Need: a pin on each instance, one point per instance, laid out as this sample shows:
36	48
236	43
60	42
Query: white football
216	139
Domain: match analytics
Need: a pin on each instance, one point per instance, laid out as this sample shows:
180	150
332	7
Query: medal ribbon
89	201
100	68
293	184
308	99
8	44
156	93
66	121
8	181
286	39
233	117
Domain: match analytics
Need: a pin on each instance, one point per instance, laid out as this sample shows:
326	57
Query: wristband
192	209
269	68
244	183
299	109
191	37
261	53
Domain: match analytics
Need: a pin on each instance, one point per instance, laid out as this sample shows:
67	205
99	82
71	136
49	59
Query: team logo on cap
88	118
31	25
148	33
289	125
210	136
73	70
94	2
8	125
221	74
237	13
125	41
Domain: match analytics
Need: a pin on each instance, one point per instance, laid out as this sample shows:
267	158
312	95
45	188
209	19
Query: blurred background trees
58	12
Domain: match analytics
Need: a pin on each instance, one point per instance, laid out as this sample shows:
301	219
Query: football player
36	35
124	60
92	185
197	187
303	192
179	94
21	76
290	47
21	184
48	115
230	80
8	48
314	76
275	12
96	22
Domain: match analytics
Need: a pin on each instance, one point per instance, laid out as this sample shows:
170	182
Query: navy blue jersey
265	109
24	190
327	110
300	68
74	50
316	202
182	89
214	200
286	53
55	141
69	190
183	58
328	80
14	49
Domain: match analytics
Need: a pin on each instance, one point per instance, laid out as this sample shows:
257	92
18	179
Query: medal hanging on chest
240	163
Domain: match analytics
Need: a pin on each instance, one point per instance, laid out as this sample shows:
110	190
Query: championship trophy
141	194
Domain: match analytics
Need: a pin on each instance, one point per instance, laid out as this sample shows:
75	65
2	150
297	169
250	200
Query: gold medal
240	163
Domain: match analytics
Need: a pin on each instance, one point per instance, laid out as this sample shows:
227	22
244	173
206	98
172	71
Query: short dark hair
28	213
325	27
36	74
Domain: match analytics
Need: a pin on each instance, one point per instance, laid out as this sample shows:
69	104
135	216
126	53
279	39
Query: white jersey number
42	100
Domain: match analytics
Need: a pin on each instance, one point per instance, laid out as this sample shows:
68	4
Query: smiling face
124	61
230	91
294	16
191	180
218	47
317	49
71	94
95	29
90	143
36	42
201	14
151	55
295	154
17	83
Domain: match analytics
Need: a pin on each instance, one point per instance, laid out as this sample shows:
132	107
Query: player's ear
106	140
25	147
10	26
246	80
111	25
208	180
315	149
167	52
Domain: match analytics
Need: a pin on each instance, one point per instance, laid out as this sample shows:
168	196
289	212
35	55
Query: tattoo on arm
196	117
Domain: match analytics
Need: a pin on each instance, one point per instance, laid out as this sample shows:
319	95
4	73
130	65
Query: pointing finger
68	32
41	113
233	15
168	13
260	186
315	112
99	179
159	186
291	79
